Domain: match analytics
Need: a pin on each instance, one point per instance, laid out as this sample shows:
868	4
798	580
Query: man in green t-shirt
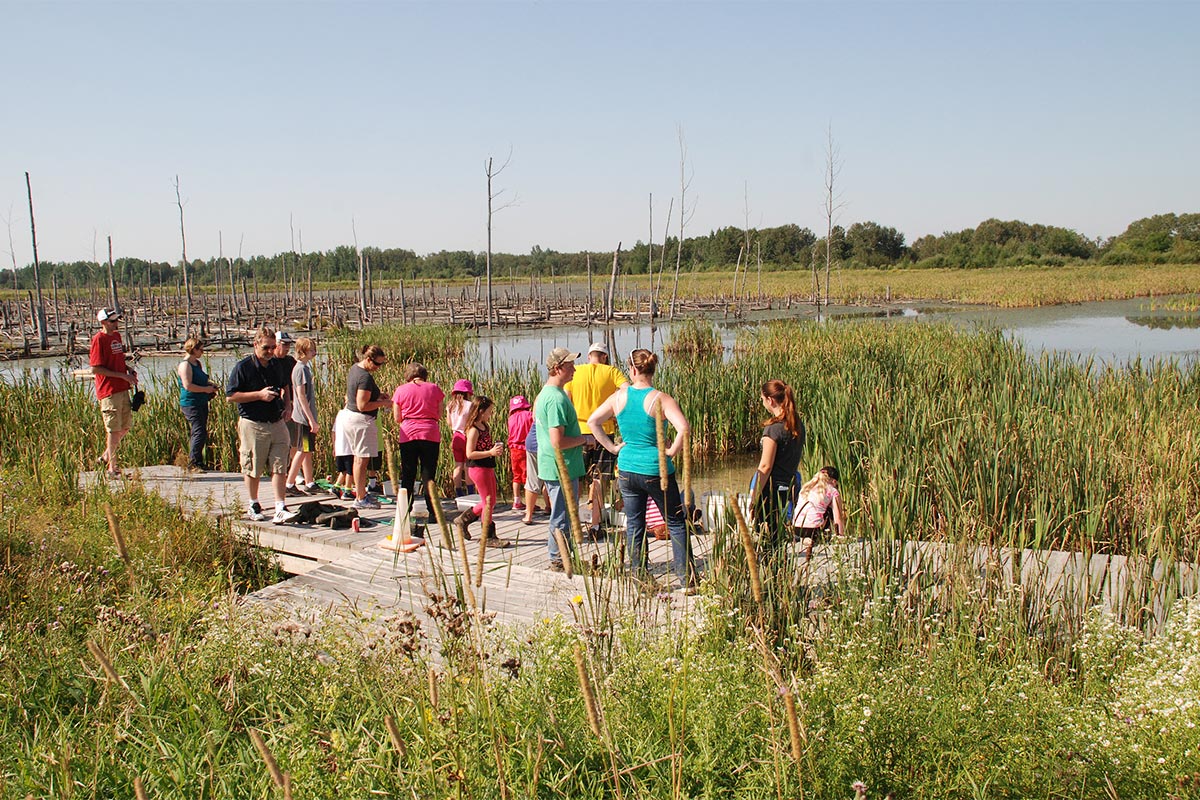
557	427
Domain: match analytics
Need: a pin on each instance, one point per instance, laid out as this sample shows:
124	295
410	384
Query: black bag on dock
308	513
338	518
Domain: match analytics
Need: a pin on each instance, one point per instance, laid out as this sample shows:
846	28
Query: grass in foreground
147	669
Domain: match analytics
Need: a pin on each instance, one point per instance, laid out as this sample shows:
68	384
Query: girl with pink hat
520	420
457	409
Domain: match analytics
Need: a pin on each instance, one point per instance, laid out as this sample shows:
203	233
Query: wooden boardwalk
340	570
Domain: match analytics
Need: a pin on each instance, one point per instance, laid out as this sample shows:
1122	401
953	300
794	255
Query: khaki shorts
263	447
115	410
532	482
362	434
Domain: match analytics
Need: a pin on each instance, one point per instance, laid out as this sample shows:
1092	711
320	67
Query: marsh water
1113	333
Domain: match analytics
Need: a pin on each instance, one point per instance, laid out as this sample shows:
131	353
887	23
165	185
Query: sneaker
306	489
518	506
256	513
366	502
114	474
373	487
293	491
194	467
283	516
556	565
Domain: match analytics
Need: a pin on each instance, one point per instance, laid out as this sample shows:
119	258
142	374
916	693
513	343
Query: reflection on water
1167	323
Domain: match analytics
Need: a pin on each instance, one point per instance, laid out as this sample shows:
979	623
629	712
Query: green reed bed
935	429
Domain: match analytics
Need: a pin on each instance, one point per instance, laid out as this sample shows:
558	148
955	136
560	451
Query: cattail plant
278	777
567	487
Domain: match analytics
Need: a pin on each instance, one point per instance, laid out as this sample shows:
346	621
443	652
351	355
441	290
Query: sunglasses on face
378	363
267	346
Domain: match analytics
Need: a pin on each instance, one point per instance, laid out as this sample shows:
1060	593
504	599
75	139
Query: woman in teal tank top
633	406
195	390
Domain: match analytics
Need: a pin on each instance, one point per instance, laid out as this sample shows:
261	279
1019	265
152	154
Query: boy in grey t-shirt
304	415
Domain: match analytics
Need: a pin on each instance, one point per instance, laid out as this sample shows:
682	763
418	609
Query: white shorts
362	434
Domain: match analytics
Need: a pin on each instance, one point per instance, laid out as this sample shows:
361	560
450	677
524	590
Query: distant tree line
1164	238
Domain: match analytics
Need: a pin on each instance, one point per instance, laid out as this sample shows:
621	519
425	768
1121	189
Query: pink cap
517	403
464	385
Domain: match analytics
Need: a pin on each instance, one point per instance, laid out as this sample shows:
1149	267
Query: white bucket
714	507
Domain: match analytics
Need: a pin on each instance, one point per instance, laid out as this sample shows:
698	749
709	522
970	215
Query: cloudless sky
1080	114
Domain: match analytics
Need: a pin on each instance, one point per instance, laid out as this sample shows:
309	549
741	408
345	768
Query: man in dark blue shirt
255	385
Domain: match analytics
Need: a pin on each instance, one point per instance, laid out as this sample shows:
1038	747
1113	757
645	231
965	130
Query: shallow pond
1113	332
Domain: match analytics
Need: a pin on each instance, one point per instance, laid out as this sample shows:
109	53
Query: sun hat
464	385
598	347
105	314
559	356
517	403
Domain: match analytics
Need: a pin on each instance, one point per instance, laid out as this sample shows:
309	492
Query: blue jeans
560	518
636	489
198	417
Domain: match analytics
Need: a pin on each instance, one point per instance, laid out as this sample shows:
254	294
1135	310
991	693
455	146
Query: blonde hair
192	345
825	479
305	346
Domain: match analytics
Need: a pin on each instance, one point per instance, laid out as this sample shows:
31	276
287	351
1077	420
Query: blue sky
1076	114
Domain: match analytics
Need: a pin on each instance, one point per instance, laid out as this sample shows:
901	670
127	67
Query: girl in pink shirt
814	499
417	408
520	420
456	419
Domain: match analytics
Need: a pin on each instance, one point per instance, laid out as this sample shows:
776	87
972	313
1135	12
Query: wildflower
577	599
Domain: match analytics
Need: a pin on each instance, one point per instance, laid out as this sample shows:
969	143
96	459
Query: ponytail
782	394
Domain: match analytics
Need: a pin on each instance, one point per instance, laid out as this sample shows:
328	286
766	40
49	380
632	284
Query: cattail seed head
589	697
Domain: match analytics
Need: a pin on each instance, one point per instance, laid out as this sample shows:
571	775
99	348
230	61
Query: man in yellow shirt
592	384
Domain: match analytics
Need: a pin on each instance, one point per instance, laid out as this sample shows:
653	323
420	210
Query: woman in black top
363	401
782	445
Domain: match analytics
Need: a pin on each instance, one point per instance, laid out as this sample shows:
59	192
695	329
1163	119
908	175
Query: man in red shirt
113	379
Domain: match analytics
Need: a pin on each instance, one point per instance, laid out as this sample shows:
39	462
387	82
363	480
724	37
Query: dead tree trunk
662	260
683	184
650	258
362	276
187	285
832	203
491	172
590	300
40	313
612	282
